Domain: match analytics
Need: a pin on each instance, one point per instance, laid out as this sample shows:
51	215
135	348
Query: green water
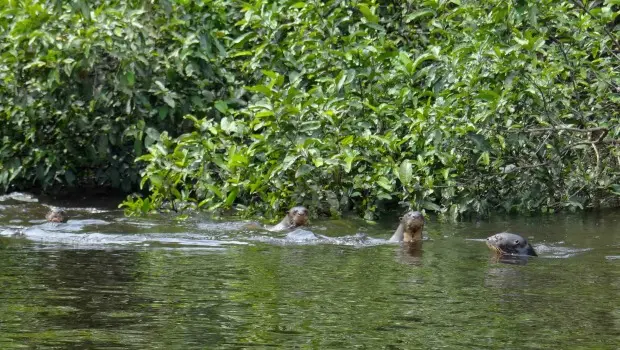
240	289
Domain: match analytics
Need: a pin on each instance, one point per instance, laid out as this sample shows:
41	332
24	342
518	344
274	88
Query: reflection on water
105	281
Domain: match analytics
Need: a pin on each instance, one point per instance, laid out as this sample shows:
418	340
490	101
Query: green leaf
241	54
384	183
303	169
162	112
221	106
156	180
169	101
310	126
522	42
215	190
265	90
53	78
231	197
347	140
228	125
405	172
489	95
242	38
419	14
419	60
160	85
288	161
405	61
131	78
445	173
484	158
370	17
383	195
263	114
152	136
146	206
430	206
270	74
348	160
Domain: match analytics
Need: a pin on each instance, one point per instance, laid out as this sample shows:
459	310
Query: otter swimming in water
510	243
297	216
57	215
410	228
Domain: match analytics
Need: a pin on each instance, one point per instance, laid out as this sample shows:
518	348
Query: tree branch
566	128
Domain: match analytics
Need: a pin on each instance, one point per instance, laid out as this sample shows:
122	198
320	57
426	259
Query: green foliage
85	88
460	107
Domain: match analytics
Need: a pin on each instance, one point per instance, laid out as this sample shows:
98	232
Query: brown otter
510	244
297	216
57	215
410	228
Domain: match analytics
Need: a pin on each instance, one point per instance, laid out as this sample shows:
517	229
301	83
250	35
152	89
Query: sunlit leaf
367	13
419	14
169	101
221	106
384	183
405	172
430	206
231	197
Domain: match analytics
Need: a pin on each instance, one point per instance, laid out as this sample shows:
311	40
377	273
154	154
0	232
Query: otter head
57	215
413	223
298	216
510	243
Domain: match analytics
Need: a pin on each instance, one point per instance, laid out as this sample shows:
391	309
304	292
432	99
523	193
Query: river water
104	281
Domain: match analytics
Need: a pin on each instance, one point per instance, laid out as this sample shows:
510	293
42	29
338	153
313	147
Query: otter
297	216
510	244
57	215
410	228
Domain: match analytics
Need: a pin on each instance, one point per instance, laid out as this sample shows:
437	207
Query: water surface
109	282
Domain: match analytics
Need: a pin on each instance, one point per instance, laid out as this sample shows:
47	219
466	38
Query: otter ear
517	242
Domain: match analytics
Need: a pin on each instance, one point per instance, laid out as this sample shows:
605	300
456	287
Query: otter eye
400	218
517	241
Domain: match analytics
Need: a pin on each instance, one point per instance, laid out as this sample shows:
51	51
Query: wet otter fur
510	244
57	215
296	216
410	228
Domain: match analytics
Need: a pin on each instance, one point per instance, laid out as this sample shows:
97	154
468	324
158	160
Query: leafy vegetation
460	107
86	89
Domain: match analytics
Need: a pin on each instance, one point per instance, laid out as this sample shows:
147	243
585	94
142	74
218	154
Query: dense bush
452	106
84	89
